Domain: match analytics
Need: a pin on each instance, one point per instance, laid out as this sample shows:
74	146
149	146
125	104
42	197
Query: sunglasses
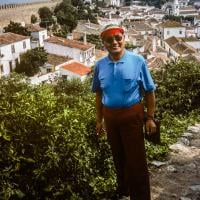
110	40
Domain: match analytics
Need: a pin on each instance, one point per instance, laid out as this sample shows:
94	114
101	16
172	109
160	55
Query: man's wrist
150	117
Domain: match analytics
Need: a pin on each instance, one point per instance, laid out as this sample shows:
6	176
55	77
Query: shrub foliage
48	146
48	149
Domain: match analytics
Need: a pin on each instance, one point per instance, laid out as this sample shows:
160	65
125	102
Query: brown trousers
125	135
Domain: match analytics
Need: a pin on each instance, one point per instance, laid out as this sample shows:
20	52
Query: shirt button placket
115	70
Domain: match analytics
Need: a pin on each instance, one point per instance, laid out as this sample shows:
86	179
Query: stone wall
22	12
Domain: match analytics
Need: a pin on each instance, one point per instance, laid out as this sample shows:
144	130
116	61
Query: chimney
85	38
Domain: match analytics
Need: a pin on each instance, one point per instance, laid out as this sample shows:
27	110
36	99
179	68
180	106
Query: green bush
178	88
48	145
177	100
48	149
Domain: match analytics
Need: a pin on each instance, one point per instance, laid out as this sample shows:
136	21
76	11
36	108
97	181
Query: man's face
114	43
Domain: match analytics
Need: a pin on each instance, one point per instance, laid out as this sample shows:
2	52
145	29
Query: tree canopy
46	17
31	61
33	19
17	28
66	15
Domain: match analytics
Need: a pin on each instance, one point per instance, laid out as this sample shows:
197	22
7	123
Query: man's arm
150	103
99	113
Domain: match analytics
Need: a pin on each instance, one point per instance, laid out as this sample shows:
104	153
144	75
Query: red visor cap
111	31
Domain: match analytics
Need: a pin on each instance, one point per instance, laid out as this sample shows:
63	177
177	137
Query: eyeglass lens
110	40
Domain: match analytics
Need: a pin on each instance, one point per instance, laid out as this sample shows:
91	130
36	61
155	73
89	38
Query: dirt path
179	177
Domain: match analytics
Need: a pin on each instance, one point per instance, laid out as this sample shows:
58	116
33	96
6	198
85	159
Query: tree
17	28
77	3
31	61
66	15
178	86
46	17
33	19
172	17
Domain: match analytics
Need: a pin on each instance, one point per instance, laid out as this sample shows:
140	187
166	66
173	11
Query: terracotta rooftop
193	57
172	40
69	43
140	26
132	31
190	39
179	46
155	63
170	24
77	68
9	38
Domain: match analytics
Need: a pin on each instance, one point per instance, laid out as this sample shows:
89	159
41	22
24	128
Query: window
64	76
24	44
49	70
1	69
13	48
180	32
10	65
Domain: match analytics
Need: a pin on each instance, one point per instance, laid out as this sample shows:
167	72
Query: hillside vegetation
48	146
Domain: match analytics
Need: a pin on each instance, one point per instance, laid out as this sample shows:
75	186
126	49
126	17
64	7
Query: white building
194	42
74	69
173	7
38	35
171	28
80	51
112	2
11	46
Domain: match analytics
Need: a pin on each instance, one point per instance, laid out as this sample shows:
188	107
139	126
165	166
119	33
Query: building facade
11	46
79	51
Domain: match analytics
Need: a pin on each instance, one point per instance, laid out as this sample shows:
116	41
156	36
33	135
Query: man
119	81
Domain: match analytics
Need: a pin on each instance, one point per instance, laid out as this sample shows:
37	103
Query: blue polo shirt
121	82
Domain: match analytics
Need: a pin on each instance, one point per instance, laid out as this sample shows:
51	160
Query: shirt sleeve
96	82
145	77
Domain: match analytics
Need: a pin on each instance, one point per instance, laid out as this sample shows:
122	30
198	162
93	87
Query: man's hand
99	129
150	126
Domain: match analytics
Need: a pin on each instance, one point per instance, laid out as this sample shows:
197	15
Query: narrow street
179	177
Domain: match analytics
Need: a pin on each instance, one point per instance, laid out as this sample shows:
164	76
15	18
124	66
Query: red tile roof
69	43
77	68
9	38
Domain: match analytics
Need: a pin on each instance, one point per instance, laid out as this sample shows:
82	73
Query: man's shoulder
102	61
135	56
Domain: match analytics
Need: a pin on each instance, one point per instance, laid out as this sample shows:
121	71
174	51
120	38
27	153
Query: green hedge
48	146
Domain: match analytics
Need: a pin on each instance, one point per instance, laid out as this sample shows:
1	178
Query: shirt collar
122	60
